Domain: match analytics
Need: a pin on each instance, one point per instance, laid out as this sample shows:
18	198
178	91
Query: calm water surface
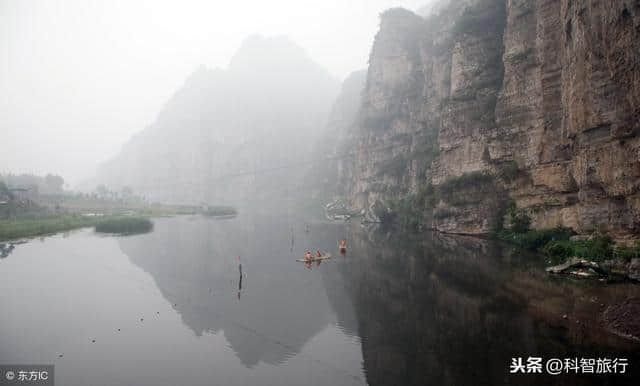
174	307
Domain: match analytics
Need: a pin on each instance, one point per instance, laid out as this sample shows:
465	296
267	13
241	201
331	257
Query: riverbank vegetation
124	225
558	245
219	211
60	213
561	243
25	212
30	227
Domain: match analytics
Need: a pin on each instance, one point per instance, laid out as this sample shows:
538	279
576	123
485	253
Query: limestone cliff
489	102
333	143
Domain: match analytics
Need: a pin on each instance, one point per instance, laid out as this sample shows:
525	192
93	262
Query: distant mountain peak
275	53
272	98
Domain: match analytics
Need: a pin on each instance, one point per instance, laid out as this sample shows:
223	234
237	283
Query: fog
79	78
319	192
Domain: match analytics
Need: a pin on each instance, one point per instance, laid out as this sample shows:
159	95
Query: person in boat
318	253
308	255
342	246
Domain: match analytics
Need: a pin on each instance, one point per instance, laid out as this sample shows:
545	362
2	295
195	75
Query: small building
24	194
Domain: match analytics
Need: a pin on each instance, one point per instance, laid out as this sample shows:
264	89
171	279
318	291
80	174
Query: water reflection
239	280
427	309
194	263
454	310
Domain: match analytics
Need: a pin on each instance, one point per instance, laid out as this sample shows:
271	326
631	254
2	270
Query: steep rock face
541	96
331	145
389	133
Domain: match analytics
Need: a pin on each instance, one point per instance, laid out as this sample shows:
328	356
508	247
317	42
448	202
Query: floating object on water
93	341
315	258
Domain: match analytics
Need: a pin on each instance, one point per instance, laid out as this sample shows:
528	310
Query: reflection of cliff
454	311
432	309
194	263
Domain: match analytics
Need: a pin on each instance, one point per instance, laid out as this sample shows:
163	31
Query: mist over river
200	301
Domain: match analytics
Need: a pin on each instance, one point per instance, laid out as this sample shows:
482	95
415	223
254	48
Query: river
200	301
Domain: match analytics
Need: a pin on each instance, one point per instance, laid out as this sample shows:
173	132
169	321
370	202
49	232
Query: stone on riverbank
579	267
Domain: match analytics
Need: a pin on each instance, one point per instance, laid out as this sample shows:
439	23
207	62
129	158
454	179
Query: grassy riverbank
218	211
18	228
558	245
48	214
125	225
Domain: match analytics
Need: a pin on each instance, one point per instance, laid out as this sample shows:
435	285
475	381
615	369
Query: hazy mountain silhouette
261	113
194	263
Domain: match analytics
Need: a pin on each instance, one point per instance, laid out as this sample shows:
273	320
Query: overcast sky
79	77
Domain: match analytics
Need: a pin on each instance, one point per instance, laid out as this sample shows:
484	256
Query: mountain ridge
226	122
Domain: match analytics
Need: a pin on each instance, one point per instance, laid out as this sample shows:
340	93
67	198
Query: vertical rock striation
487	102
